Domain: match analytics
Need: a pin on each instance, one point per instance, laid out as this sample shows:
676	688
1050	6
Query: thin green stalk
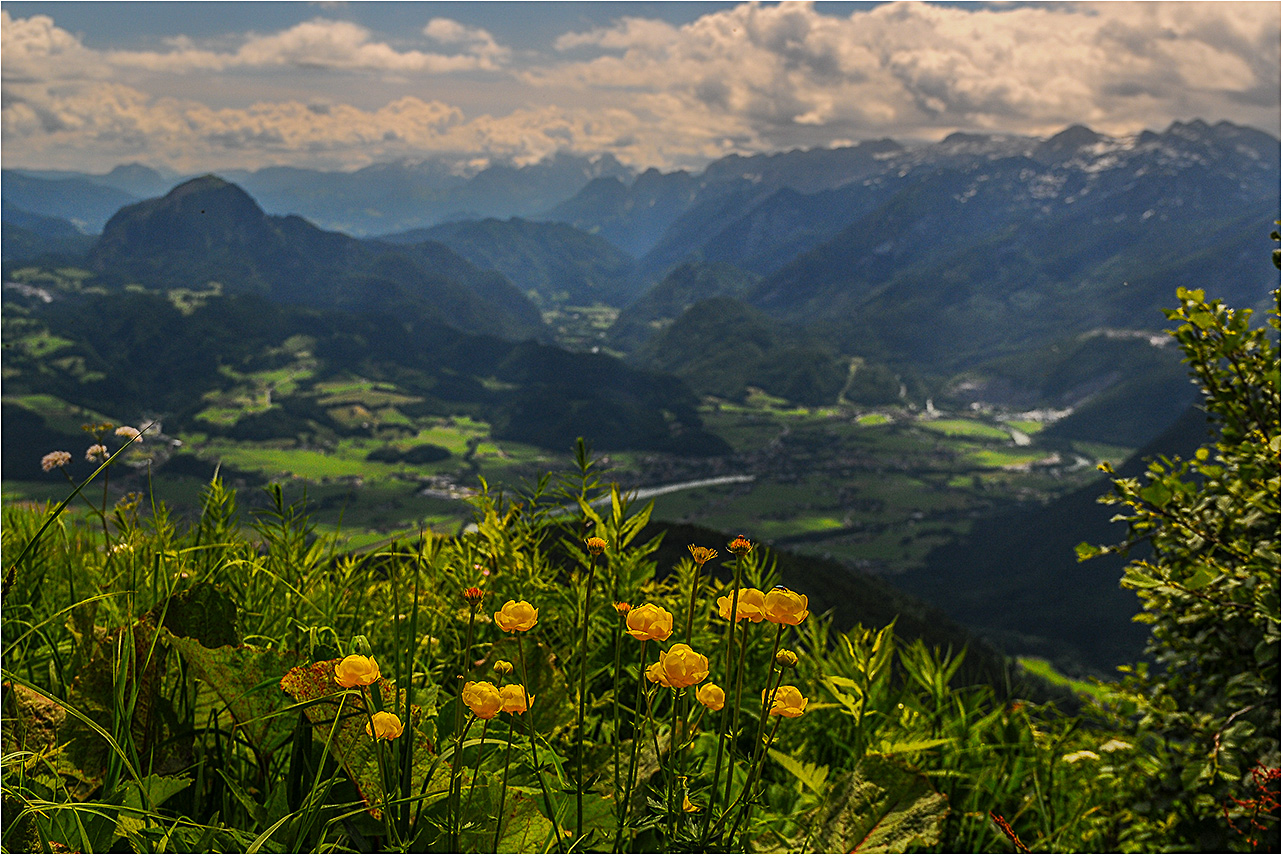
770	671
725	717
638	730
614	697
690	610
456	786
534	751
583	691
503	791
672	766
735	711
472	788
754	774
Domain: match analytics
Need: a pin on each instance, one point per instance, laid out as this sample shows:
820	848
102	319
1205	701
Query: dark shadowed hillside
208	230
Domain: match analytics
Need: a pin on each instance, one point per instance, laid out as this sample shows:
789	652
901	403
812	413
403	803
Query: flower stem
503	791
472	788
735	714
583	691
456	789
638	730
726	714
534	751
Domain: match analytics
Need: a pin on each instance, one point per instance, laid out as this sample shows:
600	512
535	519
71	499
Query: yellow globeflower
386	726
785	607
355	670
513	698
516	615
650	622
787	701
682	667
655	675
711	696
751	605
482	698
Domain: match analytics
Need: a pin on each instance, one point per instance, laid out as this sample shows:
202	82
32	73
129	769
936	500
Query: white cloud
747	78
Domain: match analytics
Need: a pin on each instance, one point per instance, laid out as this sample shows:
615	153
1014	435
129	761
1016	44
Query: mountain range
945	265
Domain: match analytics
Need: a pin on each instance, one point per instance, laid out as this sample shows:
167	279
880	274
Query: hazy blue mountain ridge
556	261
208	229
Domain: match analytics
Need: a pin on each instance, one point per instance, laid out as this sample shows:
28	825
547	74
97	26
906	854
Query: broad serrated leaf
247	680
879	807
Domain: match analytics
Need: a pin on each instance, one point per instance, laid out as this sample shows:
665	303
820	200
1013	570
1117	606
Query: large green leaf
247	680
880	807
342	714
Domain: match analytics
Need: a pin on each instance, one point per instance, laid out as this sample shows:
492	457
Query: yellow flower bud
740	546
516	615
681	667
785	659
650	622
785	607
503	667
711	696
786	701
355	670
482	698
513	698
751	605
386	726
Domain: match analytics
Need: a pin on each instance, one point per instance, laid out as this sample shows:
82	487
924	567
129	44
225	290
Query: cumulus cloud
746	78
912	68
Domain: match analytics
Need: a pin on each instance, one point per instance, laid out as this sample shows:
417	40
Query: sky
203	86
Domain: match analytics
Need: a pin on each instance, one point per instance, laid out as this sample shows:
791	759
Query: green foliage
173	686
1210	588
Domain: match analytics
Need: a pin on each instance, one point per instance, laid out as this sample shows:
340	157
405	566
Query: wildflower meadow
237	683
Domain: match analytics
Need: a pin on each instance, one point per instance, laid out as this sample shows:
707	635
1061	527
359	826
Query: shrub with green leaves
1209	588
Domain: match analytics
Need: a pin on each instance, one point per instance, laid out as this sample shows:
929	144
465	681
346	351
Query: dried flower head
385	726
54	460
701	554
130	434
596	545
96	454
623	607
473	595
740	546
